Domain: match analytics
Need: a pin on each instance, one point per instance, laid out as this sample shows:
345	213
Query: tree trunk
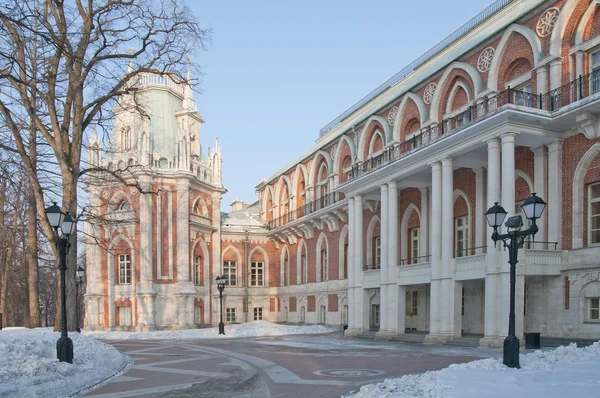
32	259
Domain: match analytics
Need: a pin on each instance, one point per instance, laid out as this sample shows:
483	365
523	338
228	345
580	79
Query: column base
436	339
491	342
385	334
352	332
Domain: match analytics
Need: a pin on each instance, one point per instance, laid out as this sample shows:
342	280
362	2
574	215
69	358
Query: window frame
589	309
257	273
303	268
128	320
415	242
230	315
324	265
197	270
594	70
465	229
590	216
258	313
227	272
124	267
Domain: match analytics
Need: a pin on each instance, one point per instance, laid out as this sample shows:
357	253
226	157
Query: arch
300	171
284	180
284	279
266	267
437	97
458	85
337	160
373	120
536	48
205	258
319	247
117	198
312	173
471	227
578	186
404	229
376	134
370	229
199	207
558	32
342	253
524	176
238	258
270	194
423	115
302	248
583	23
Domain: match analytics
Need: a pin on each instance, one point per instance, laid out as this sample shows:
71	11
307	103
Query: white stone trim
404	230
387	134
374	220
578	187
475	79
341	258
452	94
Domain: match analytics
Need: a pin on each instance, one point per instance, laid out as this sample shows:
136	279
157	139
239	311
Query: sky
277	71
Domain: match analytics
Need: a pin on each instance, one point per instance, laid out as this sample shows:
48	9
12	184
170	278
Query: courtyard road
288	366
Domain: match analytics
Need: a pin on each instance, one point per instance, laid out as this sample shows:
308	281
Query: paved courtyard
288	366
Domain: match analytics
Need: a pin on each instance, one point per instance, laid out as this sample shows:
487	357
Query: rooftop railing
580	88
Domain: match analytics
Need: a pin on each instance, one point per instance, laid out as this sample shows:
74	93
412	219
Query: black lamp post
64	221
80	273
513	239
221	280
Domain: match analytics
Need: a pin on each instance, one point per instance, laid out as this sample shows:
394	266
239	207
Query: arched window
123	205
323	185
163	163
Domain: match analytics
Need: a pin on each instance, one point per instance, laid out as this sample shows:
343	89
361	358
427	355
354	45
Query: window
523	95
229	271
346	260
595	72
230	315
303	268
593	309
256	273
286	271
197	270
302	314
594	214
414	245
324	264
258	313
126	140
377	251
123	205
197	315
124	268
125	316
322	313
461	238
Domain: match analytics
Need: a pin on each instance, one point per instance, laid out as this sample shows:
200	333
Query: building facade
380	226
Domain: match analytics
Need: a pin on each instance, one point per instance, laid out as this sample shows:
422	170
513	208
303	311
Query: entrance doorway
412	320
374	322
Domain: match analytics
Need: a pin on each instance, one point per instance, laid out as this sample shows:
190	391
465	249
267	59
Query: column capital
493	143
383	187
447	161
508	137
555	146
436	166
358	198
392	184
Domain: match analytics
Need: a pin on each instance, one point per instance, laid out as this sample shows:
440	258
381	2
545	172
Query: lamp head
68	224
533	207
495	215
54	215
80	272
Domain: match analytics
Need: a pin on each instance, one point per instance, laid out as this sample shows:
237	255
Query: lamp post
64	221
80	273
513	239
221	280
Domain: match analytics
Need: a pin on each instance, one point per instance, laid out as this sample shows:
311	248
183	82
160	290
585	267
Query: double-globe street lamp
512	240
221	281
64	221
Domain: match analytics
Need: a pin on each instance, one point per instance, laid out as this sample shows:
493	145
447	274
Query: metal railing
580	88
415	260
299	212
372	267
471	251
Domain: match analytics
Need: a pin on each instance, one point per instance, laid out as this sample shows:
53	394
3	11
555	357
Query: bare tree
63	65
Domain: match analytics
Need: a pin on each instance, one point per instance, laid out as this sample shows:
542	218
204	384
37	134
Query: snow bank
249	329
565	371
29	368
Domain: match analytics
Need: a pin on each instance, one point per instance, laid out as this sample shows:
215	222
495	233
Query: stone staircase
367	335
465	341
410	337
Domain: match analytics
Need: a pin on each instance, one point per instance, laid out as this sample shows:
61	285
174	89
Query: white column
183	230
436	253
540	185
424	225
480	210
395	311
542	79
554	193
491	277
384	305
555	74
215	262
351	331
447	246
146	287
579	64
358	260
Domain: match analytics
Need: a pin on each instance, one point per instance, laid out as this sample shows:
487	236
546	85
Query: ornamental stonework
392	115
546	23
106	194
485	59
429	92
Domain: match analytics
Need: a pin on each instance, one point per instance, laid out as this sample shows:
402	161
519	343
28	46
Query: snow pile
565	371
249	329
28	364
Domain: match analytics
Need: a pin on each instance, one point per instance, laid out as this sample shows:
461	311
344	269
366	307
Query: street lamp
80	273
221	280
64	221
513	239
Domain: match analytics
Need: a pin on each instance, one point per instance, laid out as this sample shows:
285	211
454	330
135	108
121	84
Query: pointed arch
299	172
526	178
342	254
322	273
423	115
301	274
560	26
457	86
371	124
437	97
199	207
585	19
205	258
284	264
470	226
265	257
404	229
376	134
269	193
118	198
316	163
536	48
284	181
578	187
375	221
337	160
111	268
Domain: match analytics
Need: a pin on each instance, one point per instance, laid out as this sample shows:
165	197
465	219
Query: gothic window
229	271
324	270
414	245
124	269
123	205
197	270
377	252
257	273
303	268
461	238
595	72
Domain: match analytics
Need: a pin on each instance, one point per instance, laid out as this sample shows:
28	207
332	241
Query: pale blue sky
279	71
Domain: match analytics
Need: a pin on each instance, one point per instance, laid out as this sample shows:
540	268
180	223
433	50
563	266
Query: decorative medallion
106	194
133	191
485	59
547	20
392	115
429	92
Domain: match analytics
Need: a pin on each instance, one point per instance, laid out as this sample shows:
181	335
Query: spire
188	100
216	144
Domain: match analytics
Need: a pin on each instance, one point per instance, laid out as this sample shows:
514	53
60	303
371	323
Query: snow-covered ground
249	329
563	372
29	368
